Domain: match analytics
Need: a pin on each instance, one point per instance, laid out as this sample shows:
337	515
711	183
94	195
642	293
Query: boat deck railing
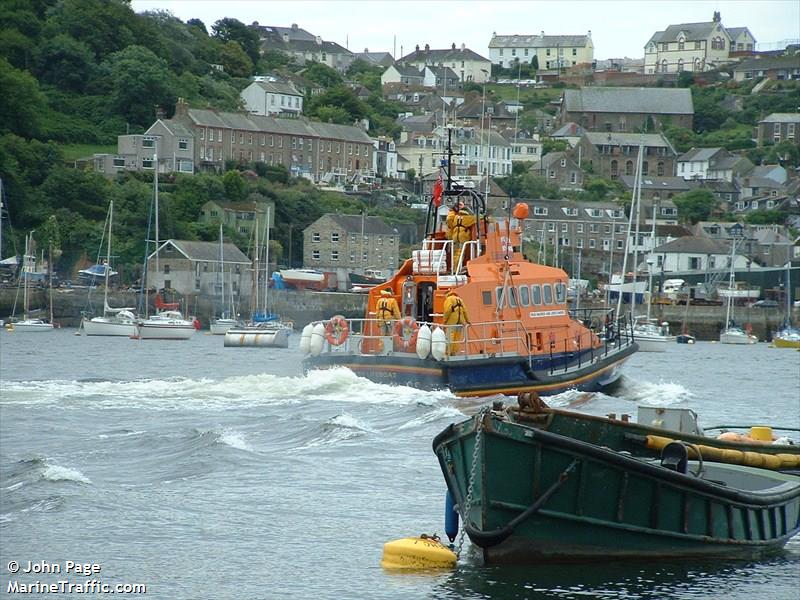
555	349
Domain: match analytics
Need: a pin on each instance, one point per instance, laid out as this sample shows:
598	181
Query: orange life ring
405	333
337	330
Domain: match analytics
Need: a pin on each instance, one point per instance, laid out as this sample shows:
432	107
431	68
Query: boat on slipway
529	493
521	335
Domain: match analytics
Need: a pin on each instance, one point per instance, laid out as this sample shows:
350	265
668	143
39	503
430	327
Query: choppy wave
662	393
28	471
341	385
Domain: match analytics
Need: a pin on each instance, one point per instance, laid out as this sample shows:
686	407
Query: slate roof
277	87
209	251
693	31
695	245
408	70
568	130
650	140
383	59
538	41
443	72
258	123
781	118
372	225
629	100
699	154
294	33
678	184
768	62
446	55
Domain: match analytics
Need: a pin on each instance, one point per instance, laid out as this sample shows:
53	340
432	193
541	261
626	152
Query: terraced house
553	52
202	139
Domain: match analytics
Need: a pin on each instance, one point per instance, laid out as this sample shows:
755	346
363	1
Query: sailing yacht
168	323
220	325
115	321
263	330
28	323
649	333
732	333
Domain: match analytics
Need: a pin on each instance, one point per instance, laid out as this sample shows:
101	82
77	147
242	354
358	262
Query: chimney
294	27
160	114
589	34
542	32
453	47
181	108
318	40
417	48
463	46
427	47
717	16
366	50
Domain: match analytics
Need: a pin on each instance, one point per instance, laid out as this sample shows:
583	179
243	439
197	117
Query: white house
402	74
468	65
384	159
439	77
268	97
482	151
699	254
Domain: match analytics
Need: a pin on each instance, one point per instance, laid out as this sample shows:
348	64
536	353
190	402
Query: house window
564	227
334	255
592	228
680	45
119	162
147	163
551	227
552	173
660	169
335	237
565	241
563	162
316	237
183	144
166	272
579	228
694	263
150	142
315	254
241	137
573	177
352	256
592	243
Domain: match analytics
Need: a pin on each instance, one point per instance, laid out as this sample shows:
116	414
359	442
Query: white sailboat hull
32	326
734	336
108	326
221	326
653	343
262	337
165	326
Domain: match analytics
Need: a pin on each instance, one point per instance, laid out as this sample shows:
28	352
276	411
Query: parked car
765	304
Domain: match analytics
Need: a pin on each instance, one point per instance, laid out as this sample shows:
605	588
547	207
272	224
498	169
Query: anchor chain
468	500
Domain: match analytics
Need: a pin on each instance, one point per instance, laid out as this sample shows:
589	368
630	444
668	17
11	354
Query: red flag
437	192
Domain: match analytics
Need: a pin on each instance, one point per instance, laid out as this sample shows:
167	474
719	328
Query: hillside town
601	117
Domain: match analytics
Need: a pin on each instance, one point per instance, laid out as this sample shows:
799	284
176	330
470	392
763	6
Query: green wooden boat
527	494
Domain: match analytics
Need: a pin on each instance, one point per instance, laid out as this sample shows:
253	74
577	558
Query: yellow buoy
762	434
417	554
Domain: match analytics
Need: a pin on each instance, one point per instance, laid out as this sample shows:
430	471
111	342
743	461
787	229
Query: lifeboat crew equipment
405	334
337	330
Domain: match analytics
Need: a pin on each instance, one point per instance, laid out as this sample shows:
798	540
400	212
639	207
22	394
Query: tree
235	60
65	62
535	65
21	102
695	205
233	30
235	187
105	26
323	75
140	81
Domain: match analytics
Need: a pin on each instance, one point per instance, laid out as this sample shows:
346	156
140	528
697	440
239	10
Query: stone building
345	244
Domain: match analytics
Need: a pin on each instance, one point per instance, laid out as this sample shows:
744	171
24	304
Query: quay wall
302	307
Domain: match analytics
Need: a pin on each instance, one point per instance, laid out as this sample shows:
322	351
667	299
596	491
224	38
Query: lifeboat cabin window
512	297
536	295
561	293
548	293
487	297
524	295
499	295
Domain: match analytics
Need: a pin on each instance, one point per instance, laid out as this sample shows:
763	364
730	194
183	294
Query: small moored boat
528	494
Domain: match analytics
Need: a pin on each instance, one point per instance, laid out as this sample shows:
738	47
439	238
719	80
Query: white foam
442	412
656	394
350	422
53	472
234	439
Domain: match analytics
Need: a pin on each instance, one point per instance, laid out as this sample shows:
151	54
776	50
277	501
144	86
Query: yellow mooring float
417	554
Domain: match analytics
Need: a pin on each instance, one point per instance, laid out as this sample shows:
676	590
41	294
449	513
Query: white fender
424	341
305	339
317	340
438	344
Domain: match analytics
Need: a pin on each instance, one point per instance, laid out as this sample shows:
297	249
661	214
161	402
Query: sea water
207	472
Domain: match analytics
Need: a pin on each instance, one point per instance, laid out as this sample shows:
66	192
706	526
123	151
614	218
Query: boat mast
25	271
108	255
266	262
221	272
155	200
256	262
730	287
650	264
637	179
